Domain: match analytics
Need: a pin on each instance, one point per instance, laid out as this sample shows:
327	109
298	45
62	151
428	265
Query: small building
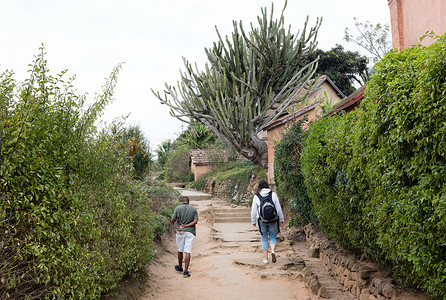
203	161
312	107
200	162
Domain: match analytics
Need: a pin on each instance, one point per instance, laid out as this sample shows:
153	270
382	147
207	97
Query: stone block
356	291
298	277
355	276
362	283
376	282
345	282
364	273
350	263
364	297
313	284
322	292
389	290
307	273
350	285
313	252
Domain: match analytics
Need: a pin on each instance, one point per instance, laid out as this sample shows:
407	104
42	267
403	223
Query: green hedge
404	139
326	155
377	177
288	176
73	222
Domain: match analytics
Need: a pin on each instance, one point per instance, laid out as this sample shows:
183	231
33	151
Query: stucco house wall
275	134
410	19
311	108
203	161
200	170
318	96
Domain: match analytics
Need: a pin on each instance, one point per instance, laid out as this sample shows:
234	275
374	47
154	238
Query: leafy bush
377	177
402	145
238	175
72	220
288	175
139	150
163	200
177	166
326	155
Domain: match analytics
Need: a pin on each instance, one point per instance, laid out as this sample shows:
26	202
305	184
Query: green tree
345	68
73	222
375	39
197	136
246	76
139	150
177	166
163	151
69	225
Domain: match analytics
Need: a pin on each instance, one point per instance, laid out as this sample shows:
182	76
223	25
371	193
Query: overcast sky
91	37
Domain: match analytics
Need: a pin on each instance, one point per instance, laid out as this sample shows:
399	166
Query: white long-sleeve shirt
256	206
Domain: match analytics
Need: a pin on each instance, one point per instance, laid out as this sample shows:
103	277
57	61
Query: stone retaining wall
363	280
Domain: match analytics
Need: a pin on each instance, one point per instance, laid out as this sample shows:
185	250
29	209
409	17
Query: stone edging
364	282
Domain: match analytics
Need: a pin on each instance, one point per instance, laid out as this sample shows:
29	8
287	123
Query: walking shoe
273	257
265	261
186	274
178	269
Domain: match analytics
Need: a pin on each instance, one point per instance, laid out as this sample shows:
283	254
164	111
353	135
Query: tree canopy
375	39
343	67
247	75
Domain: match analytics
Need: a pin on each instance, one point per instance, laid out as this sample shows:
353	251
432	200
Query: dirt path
226	264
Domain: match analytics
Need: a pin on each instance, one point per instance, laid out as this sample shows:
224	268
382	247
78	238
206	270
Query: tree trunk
257	152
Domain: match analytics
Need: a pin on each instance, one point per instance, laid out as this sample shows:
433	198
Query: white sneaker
265	261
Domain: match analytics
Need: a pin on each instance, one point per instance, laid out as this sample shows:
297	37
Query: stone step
232	214
232	220
194	195
234	210
200	197
229	210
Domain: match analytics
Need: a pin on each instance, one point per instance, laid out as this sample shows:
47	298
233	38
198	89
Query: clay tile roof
285	117
203	157
291	116
352	99
200	157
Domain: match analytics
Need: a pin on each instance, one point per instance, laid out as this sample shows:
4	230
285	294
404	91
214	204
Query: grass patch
231	180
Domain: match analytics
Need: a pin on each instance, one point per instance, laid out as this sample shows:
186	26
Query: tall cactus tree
247	83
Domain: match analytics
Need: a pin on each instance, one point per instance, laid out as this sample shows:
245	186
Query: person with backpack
266	212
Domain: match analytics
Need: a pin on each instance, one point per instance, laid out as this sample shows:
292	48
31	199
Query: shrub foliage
73	222
403	139
377	177
288	175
